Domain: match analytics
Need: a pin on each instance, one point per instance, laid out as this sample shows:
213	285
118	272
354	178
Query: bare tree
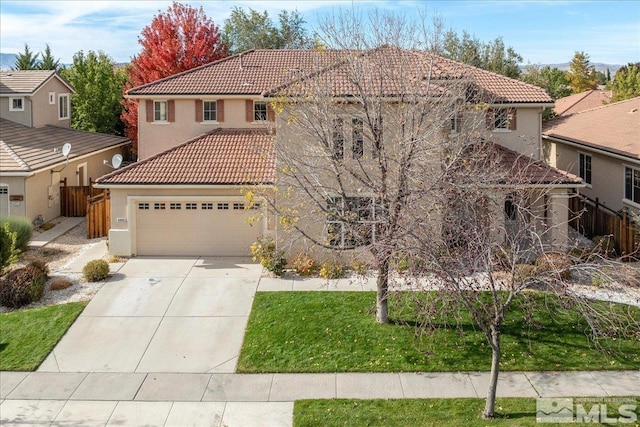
381	156
494	251
360	141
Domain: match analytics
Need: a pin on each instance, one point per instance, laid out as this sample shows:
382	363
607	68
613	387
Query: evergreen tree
582	75
26	60
626	82
48	62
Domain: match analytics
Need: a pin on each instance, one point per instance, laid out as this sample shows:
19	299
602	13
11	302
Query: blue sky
540	31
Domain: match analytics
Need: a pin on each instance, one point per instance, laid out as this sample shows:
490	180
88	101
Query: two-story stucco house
35	117
209	133
602	146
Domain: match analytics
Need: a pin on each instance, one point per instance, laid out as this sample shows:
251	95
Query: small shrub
304	265
8	251
96	270
47	226
60	284
554	263
23	286
331	270
22	227
271	258
361	268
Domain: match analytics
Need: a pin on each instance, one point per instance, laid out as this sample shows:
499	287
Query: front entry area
190	227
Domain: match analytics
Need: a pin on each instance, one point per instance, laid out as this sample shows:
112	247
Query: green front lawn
511	412
28	336
337	332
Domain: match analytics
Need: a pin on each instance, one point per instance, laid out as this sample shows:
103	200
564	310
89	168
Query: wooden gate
73	199
98	215
592	219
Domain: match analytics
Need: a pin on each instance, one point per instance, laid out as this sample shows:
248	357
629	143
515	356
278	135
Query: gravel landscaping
59	254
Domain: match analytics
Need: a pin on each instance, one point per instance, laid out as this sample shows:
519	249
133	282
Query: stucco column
559	219
496	209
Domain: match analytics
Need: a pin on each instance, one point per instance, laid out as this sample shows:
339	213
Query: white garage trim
133	213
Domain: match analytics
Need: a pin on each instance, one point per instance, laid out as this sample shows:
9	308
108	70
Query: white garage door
217	228
4	200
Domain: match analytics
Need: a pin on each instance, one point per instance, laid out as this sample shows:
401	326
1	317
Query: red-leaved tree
177	40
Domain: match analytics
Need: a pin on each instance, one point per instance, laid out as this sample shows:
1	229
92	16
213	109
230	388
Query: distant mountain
597	65
7	61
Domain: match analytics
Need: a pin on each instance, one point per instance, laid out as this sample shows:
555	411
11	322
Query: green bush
23	285
22	227
304	264
8	251
95	270
271	258
331	270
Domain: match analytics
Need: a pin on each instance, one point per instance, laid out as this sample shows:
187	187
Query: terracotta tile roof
528	171
250	72
26	149
26	82
220	157
581	101
612	127
259	72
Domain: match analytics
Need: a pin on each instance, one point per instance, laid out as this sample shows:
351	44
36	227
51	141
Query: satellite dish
66	149
116	160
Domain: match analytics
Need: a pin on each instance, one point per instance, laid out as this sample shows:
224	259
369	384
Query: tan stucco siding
526	138
45	113
157	137
607	175
22	117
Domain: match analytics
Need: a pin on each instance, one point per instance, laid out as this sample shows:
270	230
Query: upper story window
456	122
632	184
63	106
357	138
210	111
501	119
16	104
338	138
259	111
160	111
585	168
52	98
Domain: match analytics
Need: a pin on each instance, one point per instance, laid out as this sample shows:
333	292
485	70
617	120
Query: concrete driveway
165	315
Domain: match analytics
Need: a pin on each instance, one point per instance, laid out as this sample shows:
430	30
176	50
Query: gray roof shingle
26	82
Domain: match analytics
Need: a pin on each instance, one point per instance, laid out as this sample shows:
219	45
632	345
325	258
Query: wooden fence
98	215
592	219
73	199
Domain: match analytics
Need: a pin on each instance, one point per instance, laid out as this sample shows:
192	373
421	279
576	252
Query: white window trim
68	104
624	190
209	122
11	99
166	120
52	98
588	184
506	122
339	222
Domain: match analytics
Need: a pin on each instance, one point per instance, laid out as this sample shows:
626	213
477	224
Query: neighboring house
35	115
581	101
202	140
601	145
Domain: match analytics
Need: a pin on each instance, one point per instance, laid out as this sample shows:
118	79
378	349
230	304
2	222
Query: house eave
176	186
590	147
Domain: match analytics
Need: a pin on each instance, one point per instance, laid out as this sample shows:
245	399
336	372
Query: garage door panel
218	232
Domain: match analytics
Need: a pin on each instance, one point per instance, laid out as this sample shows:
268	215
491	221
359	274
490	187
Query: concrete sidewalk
57	231
246	400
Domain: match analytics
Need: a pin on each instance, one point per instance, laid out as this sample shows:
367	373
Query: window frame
357	138
157	114
16	98
500	123
258	114
585	168
205	111
631	185
52	98
64	103
339	208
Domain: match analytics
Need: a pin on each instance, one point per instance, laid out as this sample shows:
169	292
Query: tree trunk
490	405
382	309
